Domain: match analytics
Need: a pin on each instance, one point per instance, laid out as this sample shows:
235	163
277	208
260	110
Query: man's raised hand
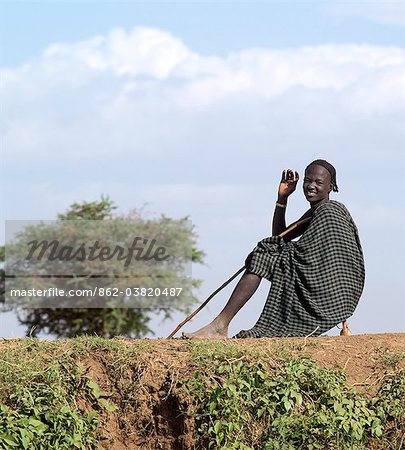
288	183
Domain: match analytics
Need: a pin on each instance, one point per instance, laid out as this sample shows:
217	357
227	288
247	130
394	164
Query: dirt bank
142	379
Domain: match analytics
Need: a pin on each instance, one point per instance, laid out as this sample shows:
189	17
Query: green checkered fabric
316	282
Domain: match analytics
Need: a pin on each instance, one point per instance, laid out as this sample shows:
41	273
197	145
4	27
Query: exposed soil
361	356
365	359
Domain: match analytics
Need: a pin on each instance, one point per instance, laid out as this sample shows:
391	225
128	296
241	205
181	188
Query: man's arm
301	228
288	183
279	219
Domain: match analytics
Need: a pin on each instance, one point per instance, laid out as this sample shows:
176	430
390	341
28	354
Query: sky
195	108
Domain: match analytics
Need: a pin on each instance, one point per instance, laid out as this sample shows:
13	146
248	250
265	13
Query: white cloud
146	58
145	93
146	51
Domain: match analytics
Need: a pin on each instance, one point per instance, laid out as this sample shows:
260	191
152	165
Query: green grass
41	385
38	400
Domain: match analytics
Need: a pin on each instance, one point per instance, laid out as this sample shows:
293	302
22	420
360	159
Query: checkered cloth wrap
316	282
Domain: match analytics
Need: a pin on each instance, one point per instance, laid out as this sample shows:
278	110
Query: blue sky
207	27
195	109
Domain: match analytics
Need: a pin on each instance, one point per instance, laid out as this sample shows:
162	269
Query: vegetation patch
289	403
49	398
39	398
91	392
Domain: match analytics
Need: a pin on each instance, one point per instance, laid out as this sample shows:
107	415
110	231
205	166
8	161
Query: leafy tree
89	210
112	319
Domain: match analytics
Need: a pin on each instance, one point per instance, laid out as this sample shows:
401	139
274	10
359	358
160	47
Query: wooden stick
284	233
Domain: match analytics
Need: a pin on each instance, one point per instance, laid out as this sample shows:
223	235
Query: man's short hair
329	168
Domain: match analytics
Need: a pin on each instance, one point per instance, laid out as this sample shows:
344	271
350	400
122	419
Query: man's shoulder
332	207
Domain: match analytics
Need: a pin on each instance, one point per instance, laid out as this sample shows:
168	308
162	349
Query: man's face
317	184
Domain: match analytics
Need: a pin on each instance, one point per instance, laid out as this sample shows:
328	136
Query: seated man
316	281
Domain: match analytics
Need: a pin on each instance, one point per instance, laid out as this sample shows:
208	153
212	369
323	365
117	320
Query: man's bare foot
345	329
211	330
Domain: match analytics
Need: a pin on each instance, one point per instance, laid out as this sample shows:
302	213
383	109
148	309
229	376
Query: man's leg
245	288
